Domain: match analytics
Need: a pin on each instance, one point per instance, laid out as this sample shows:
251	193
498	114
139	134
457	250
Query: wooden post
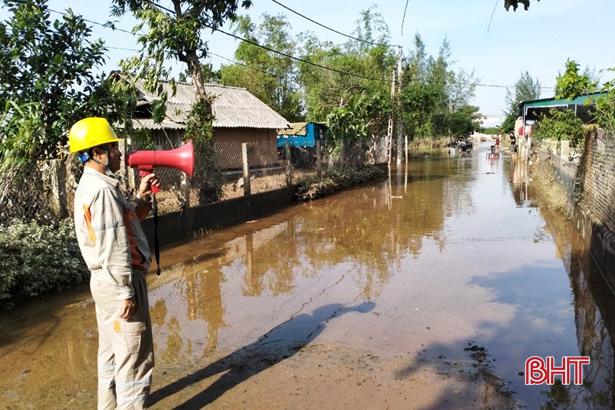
318	159
58	188
288	166
406	146
342	154
185	190
246	169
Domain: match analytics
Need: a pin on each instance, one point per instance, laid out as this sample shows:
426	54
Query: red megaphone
181	158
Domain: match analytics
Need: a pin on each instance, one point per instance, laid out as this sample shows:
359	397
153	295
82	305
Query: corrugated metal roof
233	107
298	128
149	124
545	102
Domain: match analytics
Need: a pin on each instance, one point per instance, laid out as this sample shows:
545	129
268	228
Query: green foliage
36	260
337	180
461	125
175	32
434	97
366	90
271	77
526	88
508	125
46	80
559	125
210	75
572	84
353	123
20	131
605	105
491	130
200	131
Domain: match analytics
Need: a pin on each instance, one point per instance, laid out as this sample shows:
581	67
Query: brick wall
596	175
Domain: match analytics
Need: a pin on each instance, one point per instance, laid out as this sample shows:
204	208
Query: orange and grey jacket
109	231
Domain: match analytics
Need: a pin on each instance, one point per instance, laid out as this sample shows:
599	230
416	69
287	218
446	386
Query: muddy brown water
427	291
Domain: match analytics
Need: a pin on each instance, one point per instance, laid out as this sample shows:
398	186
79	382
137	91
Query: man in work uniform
115	249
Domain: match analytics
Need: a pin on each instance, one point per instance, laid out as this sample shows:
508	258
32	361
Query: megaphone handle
143	173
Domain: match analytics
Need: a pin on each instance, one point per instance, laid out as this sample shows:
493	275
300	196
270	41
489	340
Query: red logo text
539	371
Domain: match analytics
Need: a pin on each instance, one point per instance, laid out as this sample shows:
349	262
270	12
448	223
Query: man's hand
145	187
128	306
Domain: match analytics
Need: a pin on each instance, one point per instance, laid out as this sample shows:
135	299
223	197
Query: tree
209	74
174	33
271	77
177	33
560	124
526	88
460	125
462	88
369	63
434	97
46	81
418	98
571	84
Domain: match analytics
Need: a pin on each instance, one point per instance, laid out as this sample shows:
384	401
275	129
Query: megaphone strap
156	245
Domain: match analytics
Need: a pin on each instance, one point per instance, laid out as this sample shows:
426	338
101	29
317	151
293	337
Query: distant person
513	142
115	249
497	143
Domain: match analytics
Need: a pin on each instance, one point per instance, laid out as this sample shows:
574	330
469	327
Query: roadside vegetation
337	180
37	259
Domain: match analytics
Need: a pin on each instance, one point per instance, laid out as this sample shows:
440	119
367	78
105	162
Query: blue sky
497	45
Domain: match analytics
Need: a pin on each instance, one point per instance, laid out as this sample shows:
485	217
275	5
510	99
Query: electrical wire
209	53
330	29
106	25
301	59
404	18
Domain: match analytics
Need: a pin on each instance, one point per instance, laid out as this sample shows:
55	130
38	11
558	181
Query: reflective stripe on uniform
130	385
103	368
105	383
131	399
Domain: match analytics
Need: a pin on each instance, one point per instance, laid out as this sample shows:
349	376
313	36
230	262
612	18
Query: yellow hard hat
90	132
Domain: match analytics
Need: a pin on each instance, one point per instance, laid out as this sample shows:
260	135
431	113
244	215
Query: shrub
559	125
37	259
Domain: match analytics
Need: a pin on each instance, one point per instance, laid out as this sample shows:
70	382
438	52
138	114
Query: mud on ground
328	376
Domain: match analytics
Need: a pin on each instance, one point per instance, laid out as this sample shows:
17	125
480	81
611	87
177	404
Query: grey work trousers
125	347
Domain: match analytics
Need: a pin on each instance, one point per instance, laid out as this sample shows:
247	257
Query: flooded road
426	291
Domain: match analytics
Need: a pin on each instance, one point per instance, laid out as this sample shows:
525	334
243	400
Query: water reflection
594	309
364	235
519	176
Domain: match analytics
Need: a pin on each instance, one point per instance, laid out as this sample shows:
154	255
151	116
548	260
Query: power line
329	28
245	65
301	59
404	19
112	27
507	86
106	25
276	51
122	48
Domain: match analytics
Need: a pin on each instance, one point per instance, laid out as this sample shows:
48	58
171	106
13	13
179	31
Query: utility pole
400	127
390	128
395	88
